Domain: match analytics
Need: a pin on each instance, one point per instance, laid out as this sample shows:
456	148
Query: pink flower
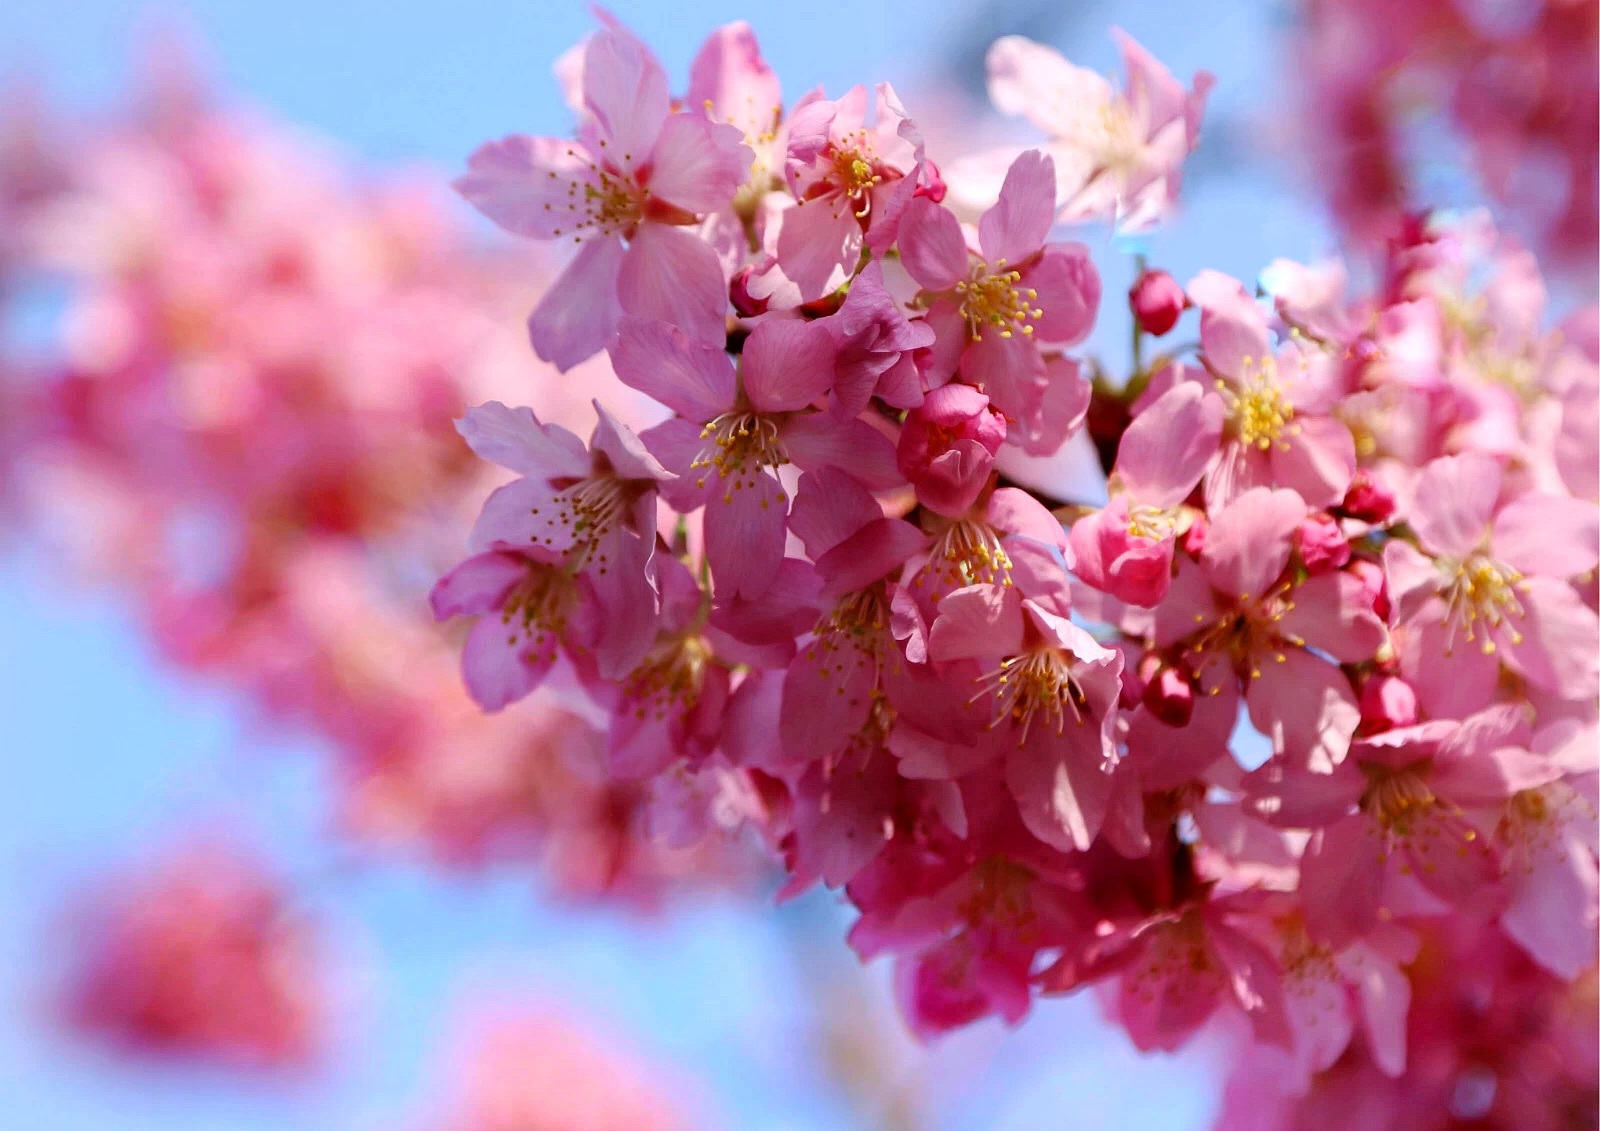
947	448
992	311
1278	430
1547	839
624	192
1400	808
1489	587
201	956
1125	549
1177	967
1050	692
835	685
668	708
594	510
875	347
1321	545
736	428
1120	156
852	182
1234	609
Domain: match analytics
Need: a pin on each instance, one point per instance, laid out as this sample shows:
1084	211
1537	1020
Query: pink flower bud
1169	697
1322	544
1157	301
1367	499
1376	585
743	301
947	447
1194	539
1387	701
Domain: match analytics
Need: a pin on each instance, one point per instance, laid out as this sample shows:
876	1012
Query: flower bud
1367	499
1387	701
947	447
1322	544
1157	301
1169	697
1375	584
746	304
1194	538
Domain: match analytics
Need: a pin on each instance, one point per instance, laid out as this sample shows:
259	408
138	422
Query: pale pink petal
828	508
1304	705
732	82
817	440
1061	401
694	379
501	663
1453	677
514	439
1011	371
1385	995
1067	290
1016	226
875	551
1061	783
673	275
1454	502
1552	535
1033	80
1233	328
698	165
528	185
1015	511
977	622
1490	776
477	585
1254	981
826	697
1341	880
1552	913
580	310
1317	459
630	459
1558	631
1249	542
626	604
819	244
744	525
1452	859
527	513
625	89
1332	613
1166	449
1291	798
932	246
787	364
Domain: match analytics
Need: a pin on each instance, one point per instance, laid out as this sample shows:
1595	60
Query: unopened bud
743	301
1322	544
1367	499
1157	301
1169	697
1387	701
1375	584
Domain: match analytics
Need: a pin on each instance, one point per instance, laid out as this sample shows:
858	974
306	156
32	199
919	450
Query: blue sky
104	749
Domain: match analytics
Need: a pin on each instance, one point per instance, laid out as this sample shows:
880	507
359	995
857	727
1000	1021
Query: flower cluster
1516	83
246	423
1320	671
200	955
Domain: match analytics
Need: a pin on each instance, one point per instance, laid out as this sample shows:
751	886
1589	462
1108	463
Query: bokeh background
106	750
